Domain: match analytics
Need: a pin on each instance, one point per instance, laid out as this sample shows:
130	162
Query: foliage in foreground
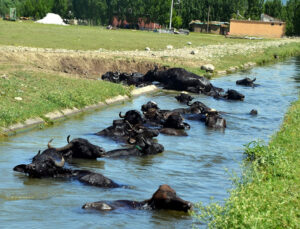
267	195
42	93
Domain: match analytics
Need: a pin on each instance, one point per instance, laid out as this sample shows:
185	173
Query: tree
273	8
254	9
60	7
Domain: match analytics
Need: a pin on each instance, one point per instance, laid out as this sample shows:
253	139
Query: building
267	27
141	24
215	27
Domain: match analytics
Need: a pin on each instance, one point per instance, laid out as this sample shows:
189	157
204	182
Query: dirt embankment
83	65
92	64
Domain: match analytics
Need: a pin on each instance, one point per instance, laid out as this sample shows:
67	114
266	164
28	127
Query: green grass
268	193
43	93
93	38
261	57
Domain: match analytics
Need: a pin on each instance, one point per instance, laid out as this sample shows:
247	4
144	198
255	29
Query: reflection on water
195	166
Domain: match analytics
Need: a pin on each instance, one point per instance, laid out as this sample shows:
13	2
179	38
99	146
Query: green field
93	38
268	194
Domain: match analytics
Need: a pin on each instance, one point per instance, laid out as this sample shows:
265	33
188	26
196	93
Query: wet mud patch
95	67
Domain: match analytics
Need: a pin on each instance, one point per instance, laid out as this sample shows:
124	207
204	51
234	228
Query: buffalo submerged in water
50	163
177	79
164	198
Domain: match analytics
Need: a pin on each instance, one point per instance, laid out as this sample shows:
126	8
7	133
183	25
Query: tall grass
268	193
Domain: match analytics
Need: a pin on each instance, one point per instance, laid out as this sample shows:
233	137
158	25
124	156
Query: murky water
195	166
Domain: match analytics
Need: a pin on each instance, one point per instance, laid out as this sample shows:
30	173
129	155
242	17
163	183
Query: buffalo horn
189	103
146	141
187	125
121	116
68	138
61	163
68	146
49	146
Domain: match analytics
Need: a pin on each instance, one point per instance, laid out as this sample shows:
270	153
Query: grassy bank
42	93
268	194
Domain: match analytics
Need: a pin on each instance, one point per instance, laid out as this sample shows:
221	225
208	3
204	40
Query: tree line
101	12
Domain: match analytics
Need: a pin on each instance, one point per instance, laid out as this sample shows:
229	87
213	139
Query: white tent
51	18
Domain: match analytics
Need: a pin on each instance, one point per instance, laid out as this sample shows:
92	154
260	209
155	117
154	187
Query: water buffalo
214	120
50	163
197	107
121	130
164	198
112	77
79	148
184	98
210	116
141	147
246	82
174	126
168	122
181	80
135	79
231	95
253	112
134	117
175	120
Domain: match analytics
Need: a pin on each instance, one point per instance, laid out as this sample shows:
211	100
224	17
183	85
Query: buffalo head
49	163
150	105
166	198
134	117
198	107
234	95
246	82
175	120
184	98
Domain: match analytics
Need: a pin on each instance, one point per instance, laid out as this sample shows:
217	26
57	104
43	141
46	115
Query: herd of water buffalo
138	130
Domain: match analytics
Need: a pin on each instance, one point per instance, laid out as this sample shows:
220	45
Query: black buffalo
181	80
184	98
246	82
164	198
135	79
140	147
79	148
121	130
134	117
231	95
50	163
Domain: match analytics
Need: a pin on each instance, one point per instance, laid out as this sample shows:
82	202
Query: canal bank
60	115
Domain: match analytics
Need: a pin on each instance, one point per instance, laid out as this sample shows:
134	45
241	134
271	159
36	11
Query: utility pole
170	25
208	19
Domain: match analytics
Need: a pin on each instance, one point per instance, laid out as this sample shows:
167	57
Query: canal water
197	166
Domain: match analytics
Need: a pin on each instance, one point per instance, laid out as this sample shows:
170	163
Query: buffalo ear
20	168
